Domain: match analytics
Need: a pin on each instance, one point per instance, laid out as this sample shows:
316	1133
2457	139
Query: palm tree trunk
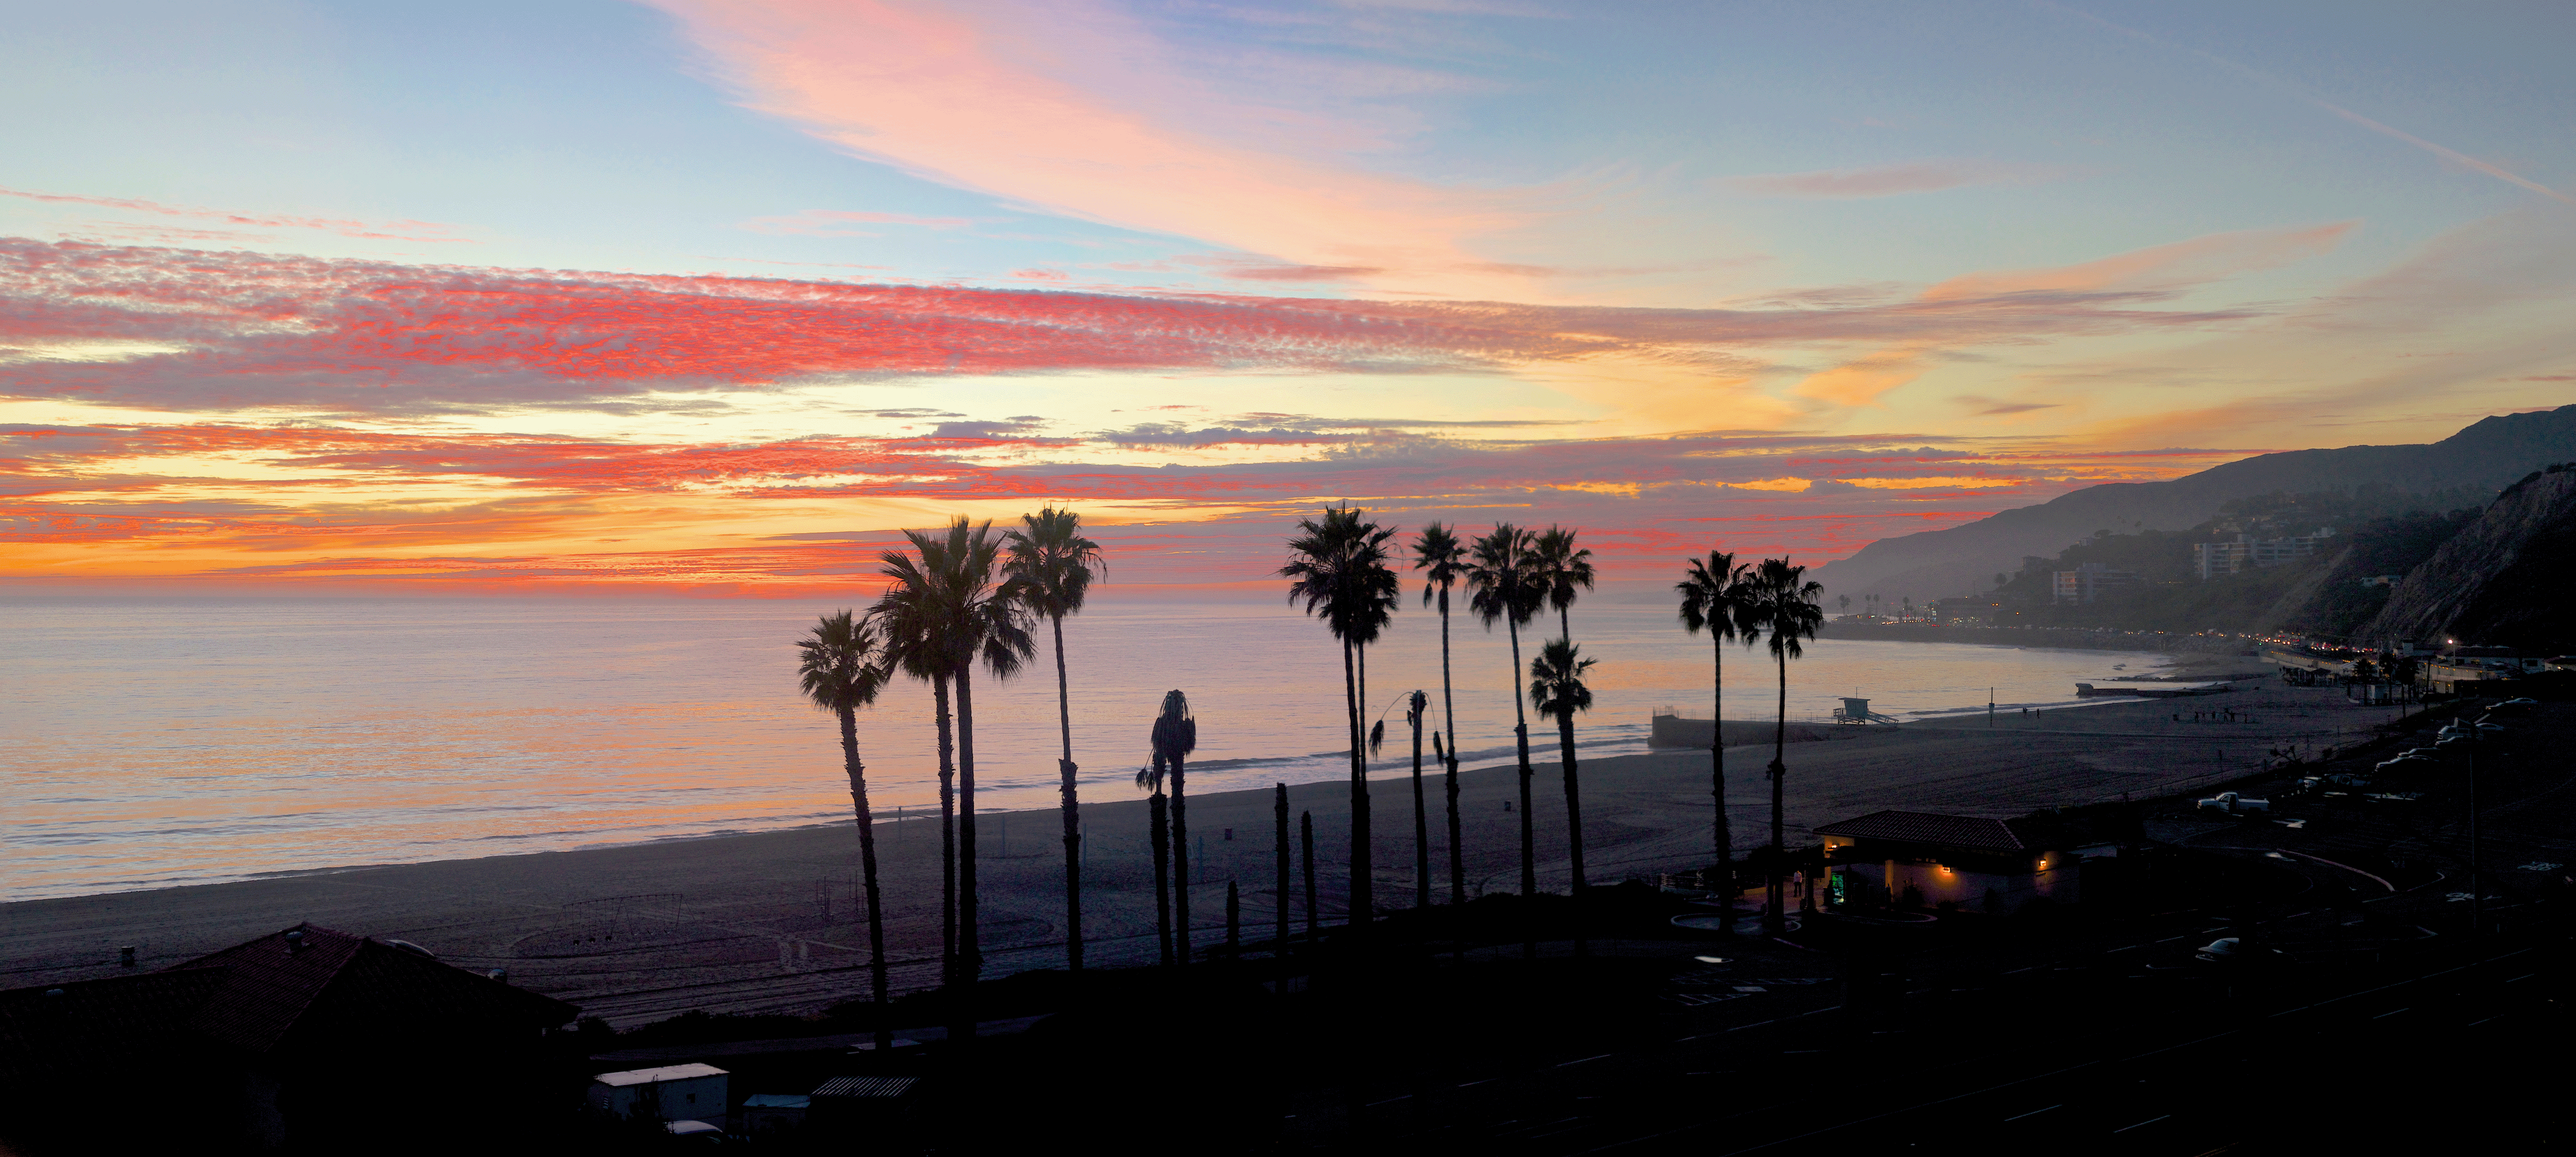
1161	830
1449	715
970	952
1363	831
1180	858
1725	886
1072	812
1360	904
947	834
868	868
1306	832
1573	824
1772	917
1421	825
1573	796
1520	736
1280	842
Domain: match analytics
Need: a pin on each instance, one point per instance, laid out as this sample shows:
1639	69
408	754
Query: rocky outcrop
2500	581
2491	452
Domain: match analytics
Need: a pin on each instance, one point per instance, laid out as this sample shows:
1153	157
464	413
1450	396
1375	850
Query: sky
711	297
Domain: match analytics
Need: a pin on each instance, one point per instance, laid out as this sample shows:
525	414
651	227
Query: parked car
2403	762
698	1133
2234	804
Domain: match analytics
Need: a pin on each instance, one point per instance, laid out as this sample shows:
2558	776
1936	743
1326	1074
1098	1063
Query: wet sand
771	921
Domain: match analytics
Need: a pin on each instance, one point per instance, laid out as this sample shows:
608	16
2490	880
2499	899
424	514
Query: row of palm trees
964	598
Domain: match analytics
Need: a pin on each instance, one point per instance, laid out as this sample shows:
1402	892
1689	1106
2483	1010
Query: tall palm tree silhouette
1719	596
951	597
1566	569
1159	830
1788	613
839	669
1176	735
1557	691
1338	568
916	640
1053	567
1505	585
1443	560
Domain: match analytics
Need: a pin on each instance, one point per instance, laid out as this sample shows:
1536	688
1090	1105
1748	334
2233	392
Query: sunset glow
790	276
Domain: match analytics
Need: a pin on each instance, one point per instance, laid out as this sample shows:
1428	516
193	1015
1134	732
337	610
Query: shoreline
770	921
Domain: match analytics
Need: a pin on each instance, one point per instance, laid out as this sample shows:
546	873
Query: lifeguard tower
1854	711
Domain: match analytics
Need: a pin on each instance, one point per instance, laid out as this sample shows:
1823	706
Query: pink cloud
279	330
981	99
1891	180
369	230
2160	267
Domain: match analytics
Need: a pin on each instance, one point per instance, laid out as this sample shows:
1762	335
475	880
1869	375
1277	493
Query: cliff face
2490	452
2500	581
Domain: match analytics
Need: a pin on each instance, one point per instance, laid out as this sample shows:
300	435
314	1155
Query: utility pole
2477	895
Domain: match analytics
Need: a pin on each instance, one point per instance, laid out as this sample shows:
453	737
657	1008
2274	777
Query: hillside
2497	581
2489	454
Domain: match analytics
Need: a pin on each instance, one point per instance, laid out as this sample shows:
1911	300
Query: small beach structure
1894	859
690	1092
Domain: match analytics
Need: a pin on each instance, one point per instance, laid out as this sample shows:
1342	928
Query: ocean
154	742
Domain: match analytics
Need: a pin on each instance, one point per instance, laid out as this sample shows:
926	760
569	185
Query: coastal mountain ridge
2490	453
2496	581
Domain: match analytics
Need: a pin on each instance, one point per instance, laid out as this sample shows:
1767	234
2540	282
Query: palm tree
1158	826
1845	601
1565	569
1053	567
1438	553
1416	708
1504	584
1787	612
839	669
916	640
1176	735
965	617
1719	596
1557	691
1338	570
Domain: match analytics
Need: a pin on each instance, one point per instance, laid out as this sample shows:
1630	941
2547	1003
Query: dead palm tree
1566	569
1415	708
1158	827
1787	612
1176	735
1053	566
1338	569
1442	559
1718	596
840	670
1504	585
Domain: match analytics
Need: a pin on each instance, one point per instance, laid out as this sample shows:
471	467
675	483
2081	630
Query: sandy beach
771	921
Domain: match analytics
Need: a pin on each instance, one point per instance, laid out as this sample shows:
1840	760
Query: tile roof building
280	1035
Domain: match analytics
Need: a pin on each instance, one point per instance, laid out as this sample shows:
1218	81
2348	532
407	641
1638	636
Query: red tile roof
1927	828
336	984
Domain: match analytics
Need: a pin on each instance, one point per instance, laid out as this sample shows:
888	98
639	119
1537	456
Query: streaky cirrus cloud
232	330
345	227
2198	260
1926	176
837	222
977	99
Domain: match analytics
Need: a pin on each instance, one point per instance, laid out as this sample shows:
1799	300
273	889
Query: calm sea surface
153	742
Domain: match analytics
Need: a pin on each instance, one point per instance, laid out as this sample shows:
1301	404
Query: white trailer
690	1092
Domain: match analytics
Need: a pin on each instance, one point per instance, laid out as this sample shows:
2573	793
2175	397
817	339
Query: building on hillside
305	1037
2381	580
2210	559
1968	611
2087	583
1898	858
